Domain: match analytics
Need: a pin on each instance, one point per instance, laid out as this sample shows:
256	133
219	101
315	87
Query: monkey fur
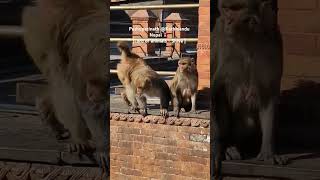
139	81
184	86
246	81
66	40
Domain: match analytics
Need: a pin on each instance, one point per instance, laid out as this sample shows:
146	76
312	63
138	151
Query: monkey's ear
268	15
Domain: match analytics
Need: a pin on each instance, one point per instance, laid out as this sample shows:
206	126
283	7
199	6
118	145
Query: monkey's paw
195	112
63	135
177	113
275	159
133	109
80	147
164	112
144	113
232	153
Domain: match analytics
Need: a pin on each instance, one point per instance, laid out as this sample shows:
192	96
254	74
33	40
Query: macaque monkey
140	80
247	76
66	39
184	86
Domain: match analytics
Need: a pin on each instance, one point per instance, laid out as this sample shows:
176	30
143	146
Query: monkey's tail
124	48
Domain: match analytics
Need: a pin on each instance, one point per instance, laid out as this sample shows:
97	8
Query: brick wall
203	53
144	150
300	27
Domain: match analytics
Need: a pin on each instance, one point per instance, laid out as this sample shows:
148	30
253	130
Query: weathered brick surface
142	150
301	39
203	53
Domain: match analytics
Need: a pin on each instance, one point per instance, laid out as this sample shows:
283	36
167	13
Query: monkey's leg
126	100
267	116
131	96
176	106
165	98
68	113
94	115
47	116
142	100
194	101
223	124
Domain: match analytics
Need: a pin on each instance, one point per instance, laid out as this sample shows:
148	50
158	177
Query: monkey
184	86
48	118
139	81
67	41
247	73
128	59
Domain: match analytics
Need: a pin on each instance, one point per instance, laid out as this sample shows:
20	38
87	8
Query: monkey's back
157	87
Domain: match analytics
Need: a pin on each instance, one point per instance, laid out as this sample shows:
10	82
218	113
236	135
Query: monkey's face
241	16
185	65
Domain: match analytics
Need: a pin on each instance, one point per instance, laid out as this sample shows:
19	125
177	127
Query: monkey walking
140	80
247	77
184	86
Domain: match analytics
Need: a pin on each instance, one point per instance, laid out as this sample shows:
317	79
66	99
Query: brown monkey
184	86
128	60
140	80
247	76
67	41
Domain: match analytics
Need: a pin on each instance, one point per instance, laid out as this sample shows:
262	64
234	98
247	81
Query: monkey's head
244	17
186	65
142	84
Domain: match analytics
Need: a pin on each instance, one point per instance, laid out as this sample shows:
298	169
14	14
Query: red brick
125	137
168	163
166	156
194	130
125	144
164	141
175	177
128	171
204	153
158	151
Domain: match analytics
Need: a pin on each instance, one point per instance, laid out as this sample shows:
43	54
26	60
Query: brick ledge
173	121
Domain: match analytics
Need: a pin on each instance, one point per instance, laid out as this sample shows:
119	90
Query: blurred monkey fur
67	41
247	67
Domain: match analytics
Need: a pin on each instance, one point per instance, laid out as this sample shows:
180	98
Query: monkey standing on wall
184	86
247	77
139	80
67	41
